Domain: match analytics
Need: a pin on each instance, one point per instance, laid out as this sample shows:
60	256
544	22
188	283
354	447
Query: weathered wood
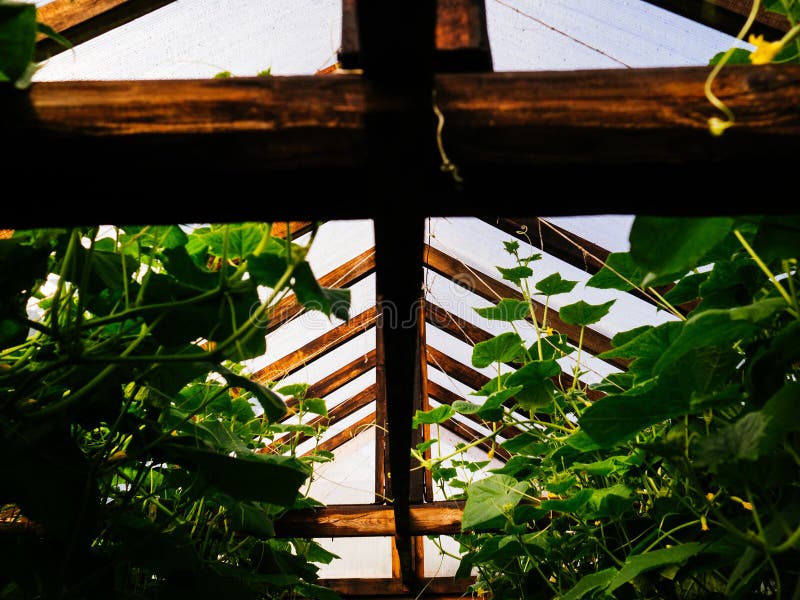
365	520
456	369
281	229
472	334
743	7
422	358
442	588
337	379
727	16
383	486
82	20
317	347
462	39
307	131
333	442
490	289
344	275
335	414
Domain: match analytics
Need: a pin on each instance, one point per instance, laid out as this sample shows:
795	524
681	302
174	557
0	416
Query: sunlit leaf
582	313
503	348
506	310
490	501
554	284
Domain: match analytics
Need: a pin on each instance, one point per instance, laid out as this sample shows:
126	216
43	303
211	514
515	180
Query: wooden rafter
444	396
364	520
332	443
468	434
441	588
344	275
472	334
490	289
317	347
500	128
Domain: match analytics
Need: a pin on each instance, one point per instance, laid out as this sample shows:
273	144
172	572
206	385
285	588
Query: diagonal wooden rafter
317	347
444	396
472	334
490	289
338	439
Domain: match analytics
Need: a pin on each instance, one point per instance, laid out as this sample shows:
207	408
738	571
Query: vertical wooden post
383	488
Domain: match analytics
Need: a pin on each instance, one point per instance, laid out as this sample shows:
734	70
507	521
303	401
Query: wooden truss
371	138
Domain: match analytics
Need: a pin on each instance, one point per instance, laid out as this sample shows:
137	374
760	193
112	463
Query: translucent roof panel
199	38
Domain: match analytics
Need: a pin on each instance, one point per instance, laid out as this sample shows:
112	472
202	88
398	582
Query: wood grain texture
442	588
742	7
332	443
63	14
501	129
317	347
362	520
490	289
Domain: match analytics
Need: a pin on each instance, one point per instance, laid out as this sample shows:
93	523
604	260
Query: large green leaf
571	504
778	237
505	347
313	296
591	583
537	385
159	236
263	477
492	407
267	268
17	39
657	559
528	442
719	327
506	310
582	313
619	272
609	502
667	245
273	405
554	284
490	501
242	239
248	518
646	348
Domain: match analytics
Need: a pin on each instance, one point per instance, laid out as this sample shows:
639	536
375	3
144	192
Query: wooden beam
399	242
422	358
281	229
462	39
310	133
383	485
338	378
335	414
344	275
442	588
743	8
317	347
333	442
570	248
82	20
456	369
727	16
369	520
490	289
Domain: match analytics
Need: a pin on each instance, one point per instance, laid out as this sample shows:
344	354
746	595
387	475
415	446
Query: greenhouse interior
491	299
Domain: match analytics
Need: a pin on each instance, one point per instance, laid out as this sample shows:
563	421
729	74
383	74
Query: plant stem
767	272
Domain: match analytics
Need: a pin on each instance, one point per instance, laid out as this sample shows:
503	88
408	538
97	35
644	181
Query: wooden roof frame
373	135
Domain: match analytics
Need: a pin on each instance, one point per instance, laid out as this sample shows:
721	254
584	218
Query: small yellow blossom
549	331
490	454
747	506
597	522
710	497
765	51
703	523
118	456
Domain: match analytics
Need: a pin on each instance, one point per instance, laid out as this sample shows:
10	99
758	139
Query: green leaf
668	245
505	347
492	407
719	327
53	34
646	348
511	247
313	296
603	468
223	75
582	313
273	405
778	236
610	502
263	477
316	406
17	39
569	504
739	56
526	443
516	274
158	236
298	390
657	559
553	346
537	385
266	268
506	310
687	289
554	284
248	518
619	272
490	501
465	408
440	414
591	583
318	592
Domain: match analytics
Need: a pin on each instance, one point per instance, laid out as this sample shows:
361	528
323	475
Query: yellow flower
549	331
710	496
765	51
747	506
703	523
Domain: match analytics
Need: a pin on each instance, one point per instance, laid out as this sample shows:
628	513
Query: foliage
681	481
130	438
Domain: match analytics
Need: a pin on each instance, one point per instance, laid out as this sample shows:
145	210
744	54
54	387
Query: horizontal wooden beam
502	129
493	290
344	275
317	347
363	520
441	588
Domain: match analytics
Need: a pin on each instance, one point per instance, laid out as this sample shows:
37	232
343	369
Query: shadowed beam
362	520
439	588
